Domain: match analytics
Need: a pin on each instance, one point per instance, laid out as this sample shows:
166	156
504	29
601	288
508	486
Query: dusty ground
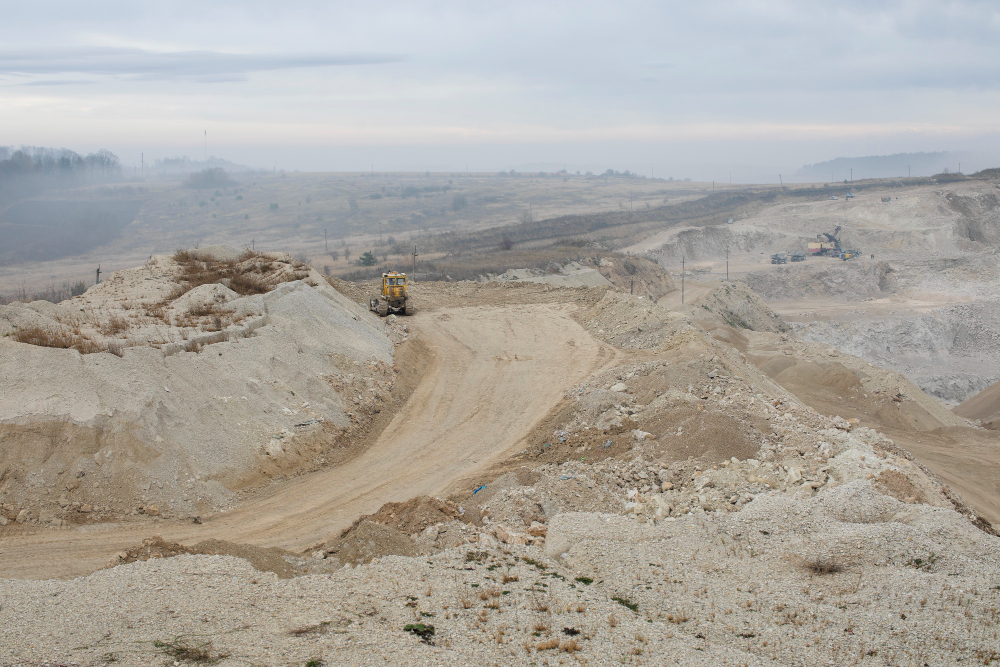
585	475
681	501
492	373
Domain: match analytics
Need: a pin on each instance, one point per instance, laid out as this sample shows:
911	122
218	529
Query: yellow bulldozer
392	298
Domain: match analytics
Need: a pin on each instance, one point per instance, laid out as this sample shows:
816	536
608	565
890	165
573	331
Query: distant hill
890	166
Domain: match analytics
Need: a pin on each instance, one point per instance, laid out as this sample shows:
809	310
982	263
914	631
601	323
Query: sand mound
367	540
210	389
263	559
415	515
740	307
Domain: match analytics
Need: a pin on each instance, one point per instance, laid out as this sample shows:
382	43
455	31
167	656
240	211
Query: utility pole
326	244
781	181
98	279
852	174
682	281
907	171
252	246
631	286
414	261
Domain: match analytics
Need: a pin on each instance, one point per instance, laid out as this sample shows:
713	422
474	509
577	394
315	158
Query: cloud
59	82
144	64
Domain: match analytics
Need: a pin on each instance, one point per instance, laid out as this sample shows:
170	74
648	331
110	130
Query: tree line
29	170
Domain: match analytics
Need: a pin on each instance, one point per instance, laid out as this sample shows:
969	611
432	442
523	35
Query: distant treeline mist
31	170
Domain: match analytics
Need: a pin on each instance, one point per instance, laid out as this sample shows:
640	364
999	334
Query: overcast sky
695	88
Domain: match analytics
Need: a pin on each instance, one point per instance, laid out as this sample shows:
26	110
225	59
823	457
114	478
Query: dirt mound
984	407
151	547
635	275
263	559
632	322
390	530
367	540
414	515
225	373
739	306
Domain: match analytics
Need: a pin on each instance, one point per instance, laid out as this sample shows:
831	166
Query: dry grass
113	326
547	645
250	273
58	339
186	651
570	646
822	565
318	629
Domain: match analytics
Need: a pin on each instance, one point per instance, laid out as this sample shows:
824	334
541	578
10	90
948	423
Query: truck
779	258
826	244
798	257
392	297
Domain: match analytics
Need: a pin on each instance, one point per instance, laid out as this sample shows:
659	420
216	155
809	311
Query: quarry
569	449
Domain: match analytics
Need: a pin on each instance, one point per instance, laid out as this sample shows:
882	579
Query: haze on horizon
695	90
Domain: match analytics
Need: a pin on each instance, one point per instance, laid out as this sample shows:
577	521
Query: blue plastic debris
608	443
479	489
568	477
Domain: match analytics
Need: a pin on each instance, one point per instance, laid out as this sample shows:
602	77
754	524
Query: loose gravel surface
679	502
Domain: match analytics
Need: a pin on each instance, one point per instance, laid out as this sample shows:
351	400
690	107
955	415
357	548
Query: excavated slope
202	394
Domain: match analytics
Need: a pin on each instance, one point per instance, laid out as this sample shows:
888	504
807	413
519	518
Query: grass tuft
183	650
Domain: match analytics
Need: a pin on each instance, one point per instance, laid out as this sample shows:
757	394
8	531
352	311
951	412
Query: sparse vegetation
58	339
424	632
215	177
184	650
821	565
625	602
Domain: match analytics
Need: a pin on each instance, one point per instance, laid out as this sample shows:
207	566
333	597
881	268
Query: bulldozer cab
393	285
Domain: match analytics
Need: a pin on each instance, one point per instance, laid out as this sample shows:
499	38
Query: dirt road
495	373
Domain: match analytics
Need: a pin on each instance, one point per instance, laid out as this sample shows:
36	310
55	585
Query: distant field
320	216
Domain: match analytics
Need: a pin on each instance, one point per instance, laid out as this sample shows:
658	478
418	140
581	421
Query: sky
707	90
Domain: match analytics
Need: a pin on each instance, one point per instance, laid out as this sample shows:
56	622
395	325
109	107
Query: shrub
209	178
823	565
